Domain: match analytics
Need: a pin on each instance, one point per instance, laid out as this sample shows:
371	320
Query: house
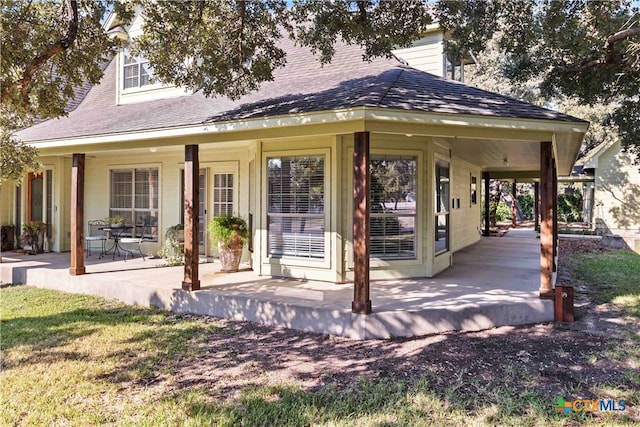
348	172
612	192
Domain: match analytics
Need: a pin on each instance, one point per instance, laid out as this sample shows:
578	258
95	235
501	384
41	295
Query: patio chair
95	234
134	243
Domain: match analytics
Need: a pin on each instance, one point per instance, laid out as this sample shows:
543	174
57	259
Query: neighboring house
612	197
283	157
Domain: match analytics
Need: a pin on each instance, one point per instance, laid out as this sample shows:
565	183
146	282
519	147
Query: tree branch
609	57
49	52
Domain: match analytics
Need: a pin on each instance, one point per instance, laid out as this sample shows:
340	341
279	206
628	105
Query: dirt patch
551	360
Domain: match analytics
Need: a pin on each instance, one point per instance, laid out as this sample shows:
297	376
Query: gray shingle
301	86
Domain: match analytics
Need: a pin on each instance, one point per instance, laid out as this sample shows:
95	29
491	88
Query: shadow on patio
493	282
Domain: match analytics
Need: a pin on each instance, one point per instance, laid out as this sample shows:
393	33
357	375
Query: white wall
465	219
617	192
426	54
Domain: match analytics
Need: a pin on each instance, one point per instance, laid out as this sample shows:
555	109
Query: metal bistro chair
95	233
134	243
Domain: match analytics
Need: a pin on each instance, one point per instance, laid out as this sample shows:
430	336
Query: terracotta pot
229	258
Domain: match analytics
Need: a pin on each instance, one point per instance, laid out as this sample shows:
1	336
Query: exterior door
224	187
39	203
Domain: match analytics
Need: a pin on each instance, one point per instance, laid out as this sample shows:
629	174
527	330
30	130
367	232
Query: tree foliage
586	49
487	73
589	50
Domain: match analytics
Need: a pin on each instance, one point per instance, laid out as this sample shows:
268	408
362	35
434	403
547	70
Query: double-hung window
296	206
134	196
136	71
393	207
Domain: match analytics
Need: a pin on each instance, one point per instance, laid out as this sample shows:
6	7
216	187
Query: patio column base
190	287
77	271
361	307
547	294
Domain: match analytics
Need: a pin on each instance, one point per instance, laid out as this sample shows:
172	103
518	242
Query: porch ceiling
520	157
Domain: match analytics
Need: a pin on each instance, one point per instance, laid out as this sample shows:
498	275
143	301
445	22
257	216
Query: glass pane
121	189
296	189
301	237
49	218
474	190
130	76
37	193
393	206
223	194
296	185
146	73
442	186
146	225
442	233
146	189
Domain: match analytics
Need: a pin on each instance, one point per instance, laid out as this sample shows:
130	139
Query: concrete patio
492	283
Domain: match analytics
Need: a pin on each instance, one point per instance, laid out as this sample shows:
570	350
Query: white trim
357	115
277	262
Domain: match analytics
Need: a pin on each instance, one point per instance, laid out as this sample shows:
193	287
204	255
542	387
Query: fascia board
344	121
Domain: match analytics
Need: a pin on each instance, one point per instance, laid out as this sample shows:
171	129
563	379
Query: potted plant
230	233
7	233
115	221
33	236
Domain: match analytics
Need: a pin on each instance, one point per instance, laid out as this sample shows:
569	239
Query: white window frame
140	61
113	211
436	212
372	215
420	216
324	262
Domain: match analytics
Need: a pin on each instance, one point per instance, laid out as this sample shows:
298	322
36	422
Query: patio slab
492	283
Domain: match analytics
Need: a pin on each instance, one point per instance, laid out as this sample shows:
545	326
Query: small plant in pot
116	221
230	233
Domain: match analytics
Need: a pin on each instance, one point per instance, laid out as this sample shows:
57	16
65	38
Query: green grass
613	277
80	360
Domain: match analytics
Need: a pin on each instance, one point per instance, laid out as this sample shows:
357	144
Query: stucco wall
617	192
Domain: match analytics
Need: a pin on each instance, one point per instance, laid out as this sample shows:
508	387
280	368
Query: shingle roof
302	86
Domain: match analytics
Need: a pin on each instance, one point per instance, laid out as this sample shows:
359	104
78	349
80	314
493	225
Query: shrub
526	204
570	207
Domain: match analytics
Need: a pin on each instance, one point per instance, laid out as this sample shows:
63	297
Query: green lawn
614	277
80	360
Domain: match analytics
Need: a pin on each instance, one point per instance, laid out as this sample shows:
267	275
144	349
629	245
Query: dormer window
136	71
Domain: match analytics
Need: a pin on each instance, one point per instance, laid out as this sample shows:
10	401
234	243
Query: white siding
617	193
465	220
426	54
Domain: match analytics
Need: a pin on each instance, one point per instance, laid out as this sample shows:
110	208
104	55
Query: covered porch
491	283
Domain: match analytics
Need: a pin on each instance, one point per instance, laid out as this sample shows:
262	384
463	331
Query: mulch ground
552	360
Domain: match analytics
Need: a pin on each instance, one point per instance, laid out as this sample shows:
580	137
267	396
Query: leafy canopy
586	49
589	50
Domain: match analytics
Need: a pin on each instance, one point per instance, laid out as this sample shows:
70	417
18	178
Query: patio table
116	234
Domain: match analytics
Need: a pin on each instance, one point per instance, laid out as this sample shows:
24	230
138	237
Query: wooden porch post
536	204
514	205
191	280
546	220
555	216
361	185
77	267
487	189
